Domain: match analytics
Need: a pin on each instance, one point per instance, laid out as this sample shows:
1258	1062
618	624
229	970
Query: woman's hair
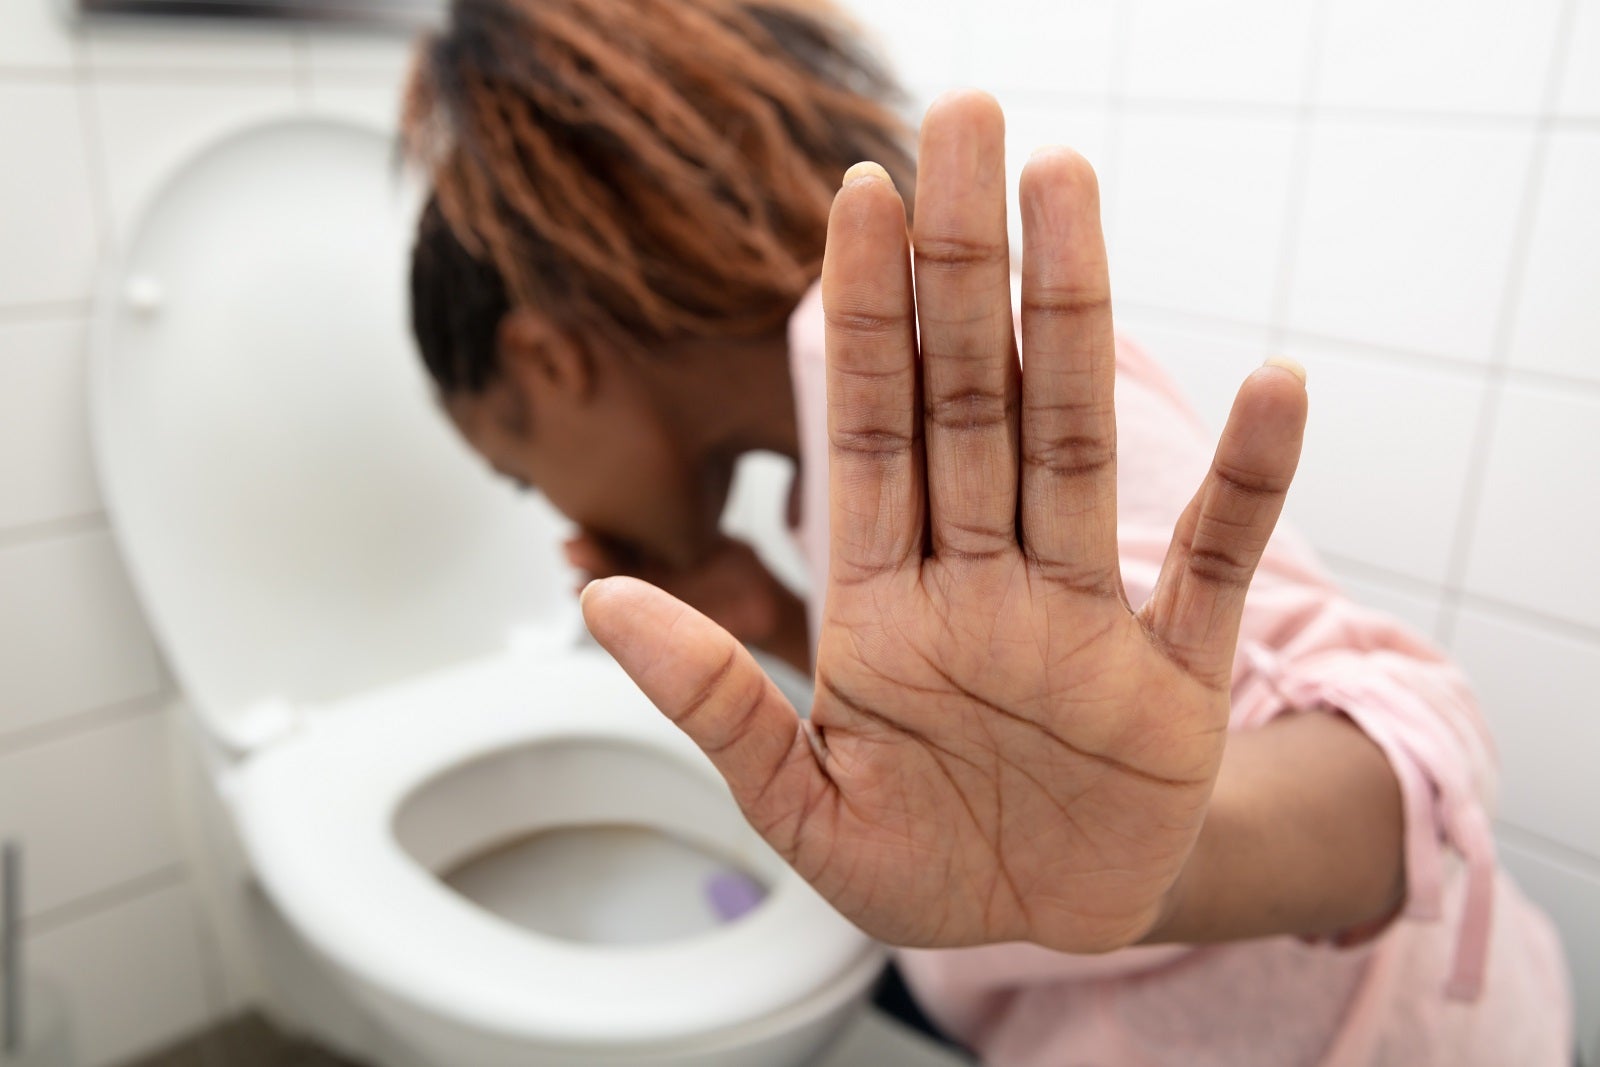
640	170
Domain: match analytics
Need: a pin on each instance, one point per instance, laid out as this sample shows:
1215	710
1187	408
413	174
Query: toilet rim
324	849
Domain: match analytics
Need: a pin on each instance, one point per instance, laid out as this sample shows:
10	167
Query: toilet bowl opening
591	840
609	885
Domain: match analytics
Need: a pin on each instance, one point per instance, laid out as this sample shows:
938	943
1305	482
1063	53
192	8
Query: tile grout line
1243	109
1472	497
1299	181
95	155
49	529
104	899
1115	121
1410	584
211	956
300	47
1398	580
22	74
1549	848
1184	319
44	311
1569	628
84	721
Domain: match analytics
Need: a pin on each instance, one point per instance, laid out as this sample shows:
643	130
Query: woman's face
584	428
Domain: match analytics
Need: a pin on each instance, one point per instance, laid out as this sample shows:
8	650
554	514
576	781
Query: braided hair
635	170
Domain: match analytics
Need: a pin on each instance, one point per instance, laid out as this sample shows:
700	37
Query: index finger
876	486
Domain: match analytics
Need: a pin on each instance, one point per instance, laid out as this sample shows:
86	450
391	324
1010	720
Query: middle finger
970	374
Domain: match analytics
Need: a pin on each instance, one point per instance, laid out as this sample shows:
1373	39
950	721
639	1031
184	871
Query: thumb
710	686
1199	598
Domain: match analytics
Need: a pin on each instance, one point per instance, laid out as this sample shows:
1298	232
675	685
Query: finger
1069	426
875	480
969	354
707	683
586	555
1198	601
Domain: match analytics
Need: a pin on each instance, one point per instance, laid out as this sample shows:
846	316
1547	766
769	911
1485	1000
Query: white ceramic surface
491	752
298	519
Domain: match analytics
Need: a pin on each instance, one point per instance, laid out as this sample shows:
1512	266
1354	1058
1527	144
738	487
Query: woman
1218	829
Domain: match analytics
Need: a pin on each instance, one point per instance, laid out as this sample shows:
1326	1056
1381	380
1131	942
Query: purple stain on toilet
733	894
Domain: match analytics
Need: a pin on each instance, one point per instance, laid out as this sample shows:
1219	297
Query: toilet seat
298	519
318	820
353	606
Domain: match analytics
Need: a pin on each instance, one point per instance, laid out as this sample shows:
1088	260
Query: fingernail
587	587
1285	363
866	171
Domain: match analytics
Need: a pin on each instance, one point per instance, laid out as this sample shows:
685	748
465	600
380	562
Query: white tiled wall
1398	192
1403	195
89	124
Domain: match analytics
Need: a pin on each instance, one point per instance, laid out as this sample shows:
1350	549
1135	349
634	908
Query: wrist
1175	918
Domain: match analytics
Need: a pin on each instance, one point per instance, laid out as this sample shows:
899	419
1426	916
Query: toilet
472	823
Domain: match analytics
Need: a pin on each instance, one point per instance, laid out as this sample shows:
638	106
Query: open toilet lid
299	520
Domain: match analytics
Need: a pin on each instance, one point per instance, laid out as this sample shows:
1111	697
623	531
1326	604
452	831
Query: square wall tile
1580	87
1406	233
1420	611
1570	896
1209	361
134	974
48	233
1235	50
1481	57
925	46
93	809
1557	326
1043	46
175	46
45	471
34	35
1536	540
1033	126
148	130
1200	204
71	635
1386	456
1539	689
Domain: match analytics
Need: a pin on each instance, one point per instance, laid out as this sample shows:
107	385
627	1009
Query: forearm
1304	836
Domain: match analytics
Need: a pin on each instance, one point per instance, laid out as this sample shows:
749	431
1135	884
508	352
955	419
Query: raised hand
1001	748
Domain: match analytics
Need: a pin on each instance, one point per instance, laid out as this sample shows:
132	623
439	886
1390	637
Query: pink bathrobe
1468	974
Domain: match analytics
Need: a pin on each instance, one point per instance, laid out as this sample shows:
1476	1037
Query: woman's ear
543	361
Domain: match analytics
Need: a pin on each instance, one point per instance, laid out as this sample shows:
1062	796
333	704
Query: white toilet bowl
352	845
379	646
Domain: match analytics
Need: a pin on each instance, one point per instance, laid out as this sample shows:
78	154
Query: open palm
1001	748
